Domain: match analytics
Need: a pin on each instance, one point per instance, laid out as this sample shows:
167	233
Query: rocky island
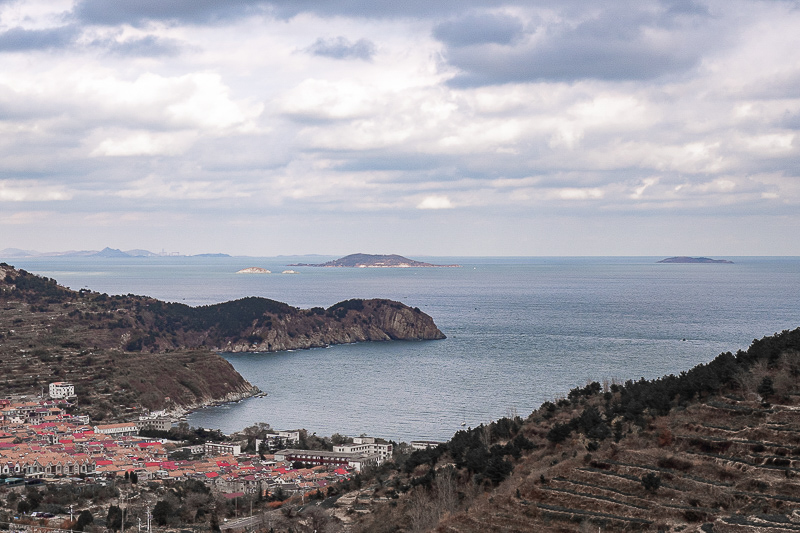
374	261
144	352
692	260
253	270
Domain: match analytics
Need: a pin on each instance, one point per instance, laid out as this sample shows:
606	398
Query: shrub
651	482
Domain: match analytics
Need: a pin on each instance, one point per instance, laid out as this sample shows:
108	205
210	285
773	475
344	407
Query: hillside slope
139	350
714	449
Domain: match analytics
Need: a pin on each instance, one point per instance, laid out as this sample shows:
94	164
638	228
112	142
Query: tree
84	519
114	517
161	512
766	388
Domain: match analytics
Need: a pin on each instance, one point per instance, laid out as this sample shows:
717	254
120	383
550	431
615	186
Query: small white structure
424	444
62	389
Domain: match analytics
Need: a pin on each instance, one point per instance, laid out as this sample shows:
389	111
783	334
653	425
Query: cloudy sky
455	127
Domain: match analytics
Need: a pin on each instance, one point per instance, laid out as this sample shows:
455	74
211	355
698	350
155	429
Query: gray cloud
148	46
479	29
19	39
342	48
618	44
137	12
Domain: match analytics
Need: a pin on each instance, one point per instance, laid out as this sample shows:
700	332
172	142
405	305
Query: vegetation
157	355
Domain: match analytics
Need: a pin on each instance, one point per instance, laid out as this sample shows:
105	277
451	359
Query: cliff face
364	320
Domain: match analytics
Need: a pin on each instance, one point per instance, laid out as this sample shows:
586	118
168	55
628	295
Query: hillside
714	449
139	350
373	261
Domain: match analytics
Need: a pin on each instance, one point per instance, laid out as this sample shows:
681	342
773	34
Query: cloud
154	187
342	48
435	202
479	29
20	39
145	143
147	46
618	42
138	12
31	191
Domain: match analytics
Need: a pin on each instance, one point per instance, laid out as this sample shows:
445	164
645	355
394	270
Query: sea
520	331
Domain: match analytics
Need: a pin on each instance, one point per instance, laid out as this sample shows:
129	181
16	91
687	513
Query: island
254	270
373	261
695	260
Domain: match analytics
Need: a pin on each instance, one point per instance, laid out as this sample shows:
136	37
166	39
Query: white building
317	457
62	389
424	444
221	448
118	430
366	445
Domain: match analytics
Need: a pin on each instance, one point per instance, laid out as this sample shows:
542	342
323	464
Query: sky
455	127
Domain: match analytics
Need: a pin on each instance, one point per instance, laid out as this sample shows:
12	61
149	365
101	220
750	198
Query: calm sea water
520	331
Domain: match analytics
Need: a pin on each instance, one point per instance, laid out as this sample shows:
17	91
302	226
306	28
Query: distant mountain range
13	253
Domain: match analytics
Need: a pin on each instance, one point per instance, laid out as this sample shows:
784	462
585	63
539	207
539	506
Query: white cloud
236	110
145	143
32	191
155	187
435	202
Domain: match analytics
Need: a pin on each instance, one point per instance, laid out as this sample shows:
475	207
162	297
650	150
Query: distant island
374	261
105	253
683	259
254	270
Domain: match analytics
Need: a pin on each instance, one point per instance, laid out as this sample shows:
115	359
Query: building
62	389
279	439
366	445
162	423
222	448
319	457
118	430
424	444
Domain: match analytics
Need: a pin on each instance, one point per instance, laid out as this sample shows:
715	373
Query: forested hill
47	325
712	449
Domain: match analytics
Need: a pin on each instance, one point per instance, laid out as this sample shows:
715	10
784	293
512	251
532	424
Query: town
43	443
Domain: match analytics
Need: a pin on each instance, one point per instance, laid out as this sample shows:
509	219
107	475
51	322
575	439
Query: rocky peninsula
128	351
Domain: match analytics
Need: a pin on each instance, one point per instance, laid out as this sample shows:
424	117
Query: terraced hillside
715	449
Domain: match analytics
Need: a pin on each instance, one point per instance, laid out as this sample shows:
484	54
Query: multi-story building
62	389
366	445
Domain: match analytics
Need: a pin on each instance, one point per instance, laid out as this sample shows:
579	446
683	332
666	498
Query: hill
713	449
372	261
125	351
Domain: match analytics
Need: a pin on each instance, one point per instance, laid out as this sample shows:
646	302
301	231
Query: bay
520	331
